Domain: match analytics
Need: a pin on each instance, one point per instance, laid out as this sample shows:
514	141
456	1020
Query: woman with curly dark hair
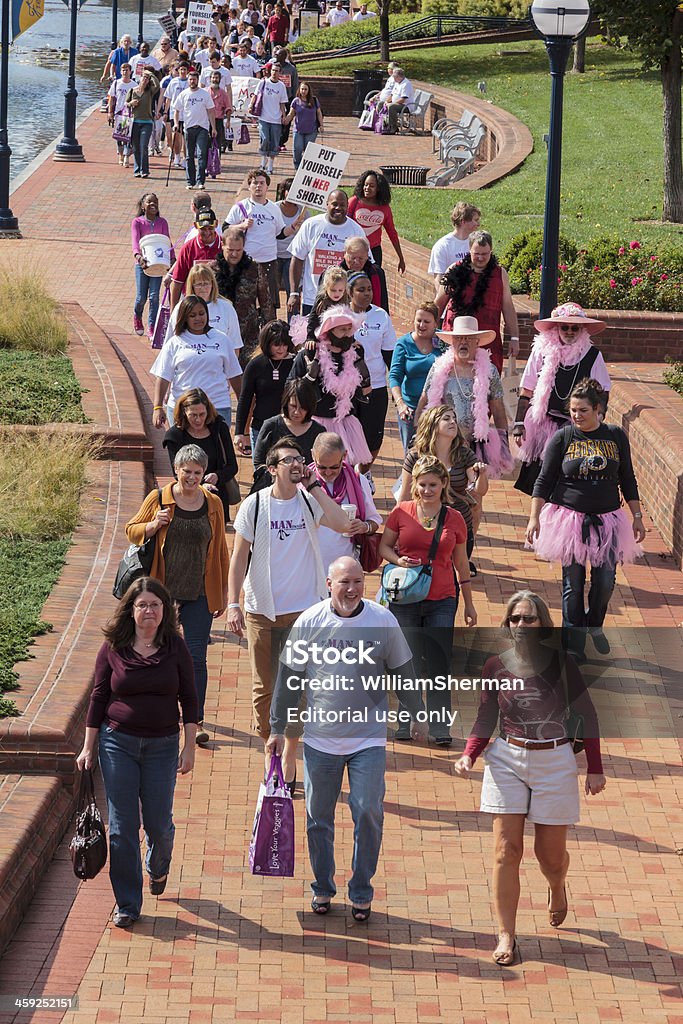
370	206
143	673
478	286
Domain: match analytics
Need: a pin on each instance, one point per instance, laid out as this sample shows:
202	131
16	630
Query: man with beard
284	575
238	280
319	244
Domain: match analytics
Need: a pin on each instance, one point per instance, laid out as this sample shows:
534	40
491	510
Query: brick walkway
223	946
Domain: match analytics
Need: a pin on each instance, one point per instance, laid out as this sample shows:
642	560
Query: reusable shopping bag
162	321
271	850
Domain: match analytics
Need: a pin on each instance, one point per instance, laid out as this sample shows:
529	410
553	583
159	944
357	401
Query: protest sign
199	18
243	88
168	24
319	173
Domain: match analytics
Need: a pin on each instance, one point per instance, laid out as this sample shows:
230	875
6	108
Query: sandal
556	917
361	913
508	958
319	906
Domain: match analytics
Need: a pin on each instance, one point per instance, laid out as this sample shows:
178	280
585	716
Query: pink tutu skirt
536	437
351	433
567	536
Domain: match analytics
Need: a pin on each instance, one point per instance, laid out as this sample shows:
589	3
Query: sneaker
189	187
138	325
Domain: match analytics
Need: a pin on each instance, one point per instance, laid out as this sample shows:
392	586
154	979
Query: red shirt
414	541
372	218
191	252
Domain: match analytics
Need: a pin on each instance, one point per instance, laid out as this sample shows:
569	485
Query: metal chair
414	120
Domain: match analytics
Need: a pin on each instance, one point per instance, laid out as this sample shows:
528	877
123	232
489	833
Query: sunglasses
572	328
526	619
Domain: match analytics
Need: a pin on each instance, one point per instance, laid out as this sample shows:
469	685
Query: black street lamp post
9	225
560	23
141	15
114	24
68	148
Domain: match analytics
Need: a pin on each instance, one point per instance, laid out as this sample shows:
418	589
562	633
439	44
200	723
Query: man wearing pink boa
465	378
334	369
576	514
563	354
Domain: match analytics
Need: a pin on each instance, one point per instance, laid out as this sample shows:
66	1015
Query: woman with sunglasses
530	772
577	515
563	353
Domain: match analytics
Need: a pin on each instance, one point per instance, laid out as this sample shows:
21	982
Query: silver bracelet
233	605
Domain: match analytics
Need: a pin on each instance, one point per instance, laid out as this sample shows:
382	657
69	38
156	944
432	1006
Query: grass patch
612	151
28	572
41	479
36	389
29	317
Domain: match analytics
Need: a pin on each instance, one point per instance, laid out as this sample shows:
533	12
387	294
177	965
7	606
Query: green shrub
29	317
435	7
673	375
477	8
346	35
522	258
610	273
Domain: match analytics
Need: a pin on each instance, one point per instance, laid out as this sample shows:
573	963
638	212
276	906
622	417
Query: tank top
488	315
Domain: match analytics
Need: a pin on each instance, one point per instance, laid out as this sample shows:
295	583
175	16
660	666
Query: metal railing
436	26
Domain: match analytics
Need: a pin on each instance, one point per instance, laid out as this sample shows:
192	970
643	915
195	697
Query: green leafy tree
653	30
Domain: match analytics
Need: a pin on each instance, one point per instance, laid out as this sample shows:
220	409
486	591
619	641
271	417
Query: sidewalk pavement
223	946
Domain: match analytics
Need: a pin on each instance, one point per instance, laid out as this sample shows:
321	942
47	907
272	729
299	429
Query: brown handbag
368	554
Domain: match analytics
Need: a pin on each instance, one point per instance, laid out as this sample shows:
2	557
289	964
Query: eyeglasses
143	606
526	619
572	328
328	469
291	460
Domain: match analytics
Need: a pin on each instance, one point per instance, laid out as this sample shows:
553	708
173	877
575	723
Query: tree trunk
580	55
384	31
671	88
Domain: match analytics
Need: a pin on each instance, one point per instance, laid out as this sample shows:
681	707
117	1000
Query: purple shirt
140	696
305	118
141	226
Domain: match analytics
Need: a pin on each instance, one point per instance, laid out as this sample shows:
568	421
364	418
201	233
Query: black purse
88	848
136	562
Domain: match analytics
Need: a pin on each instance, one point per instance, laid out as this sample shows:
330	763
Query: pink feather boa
342	385
538	426
487	439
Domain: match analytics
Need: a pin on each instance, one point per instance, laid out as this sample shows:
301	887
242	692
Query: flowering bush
611	273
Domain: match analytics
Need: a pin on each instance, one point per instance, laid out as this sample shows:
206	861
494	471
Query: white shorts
542	784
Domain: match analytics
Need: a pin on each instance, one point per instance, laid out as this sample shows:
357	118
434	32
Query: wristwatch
316	483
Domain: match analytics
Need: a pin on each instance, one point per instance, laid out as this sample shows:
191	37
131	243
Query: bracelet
234	605
369	528
518	423
637	515
156	407
514	337
462	583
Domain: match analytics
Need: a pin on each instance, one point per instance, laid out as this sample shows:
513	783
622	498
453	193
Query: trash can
364	82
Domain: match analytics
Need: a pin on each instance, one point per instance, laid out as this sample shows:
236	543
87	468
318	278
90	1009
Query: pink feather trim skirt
351	433
567	536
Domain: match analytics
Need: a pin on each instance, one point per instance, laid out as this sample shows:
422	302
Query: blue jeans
269	139
146	287
301	140
574	617
431	641
141	133
283	263
406	430
136	772
197	145
323	775
196	619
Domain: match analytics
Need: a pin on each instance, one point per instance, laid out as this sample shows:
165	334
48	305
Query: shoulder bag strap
437	535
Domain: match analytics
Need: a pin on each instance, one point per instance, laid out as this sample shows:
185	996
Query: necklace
427	520
563	398
276	369
464	397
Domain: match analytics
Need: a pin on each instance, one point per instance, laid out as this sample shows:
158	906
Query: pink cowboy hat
336	316
464	326
570	313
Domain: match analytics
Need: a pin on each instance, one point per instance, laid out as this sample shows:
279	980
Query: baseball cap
206	219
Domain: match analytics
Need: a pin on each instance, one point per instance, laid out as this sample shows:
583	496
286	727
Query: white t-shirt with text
320	245
193	106
261	239
273	95
376	334
447	251
205	361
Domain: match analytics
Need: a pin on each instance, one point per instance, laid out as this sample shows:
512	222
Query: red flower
621	250
636	280
664	277
596	268
634	245
612	283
